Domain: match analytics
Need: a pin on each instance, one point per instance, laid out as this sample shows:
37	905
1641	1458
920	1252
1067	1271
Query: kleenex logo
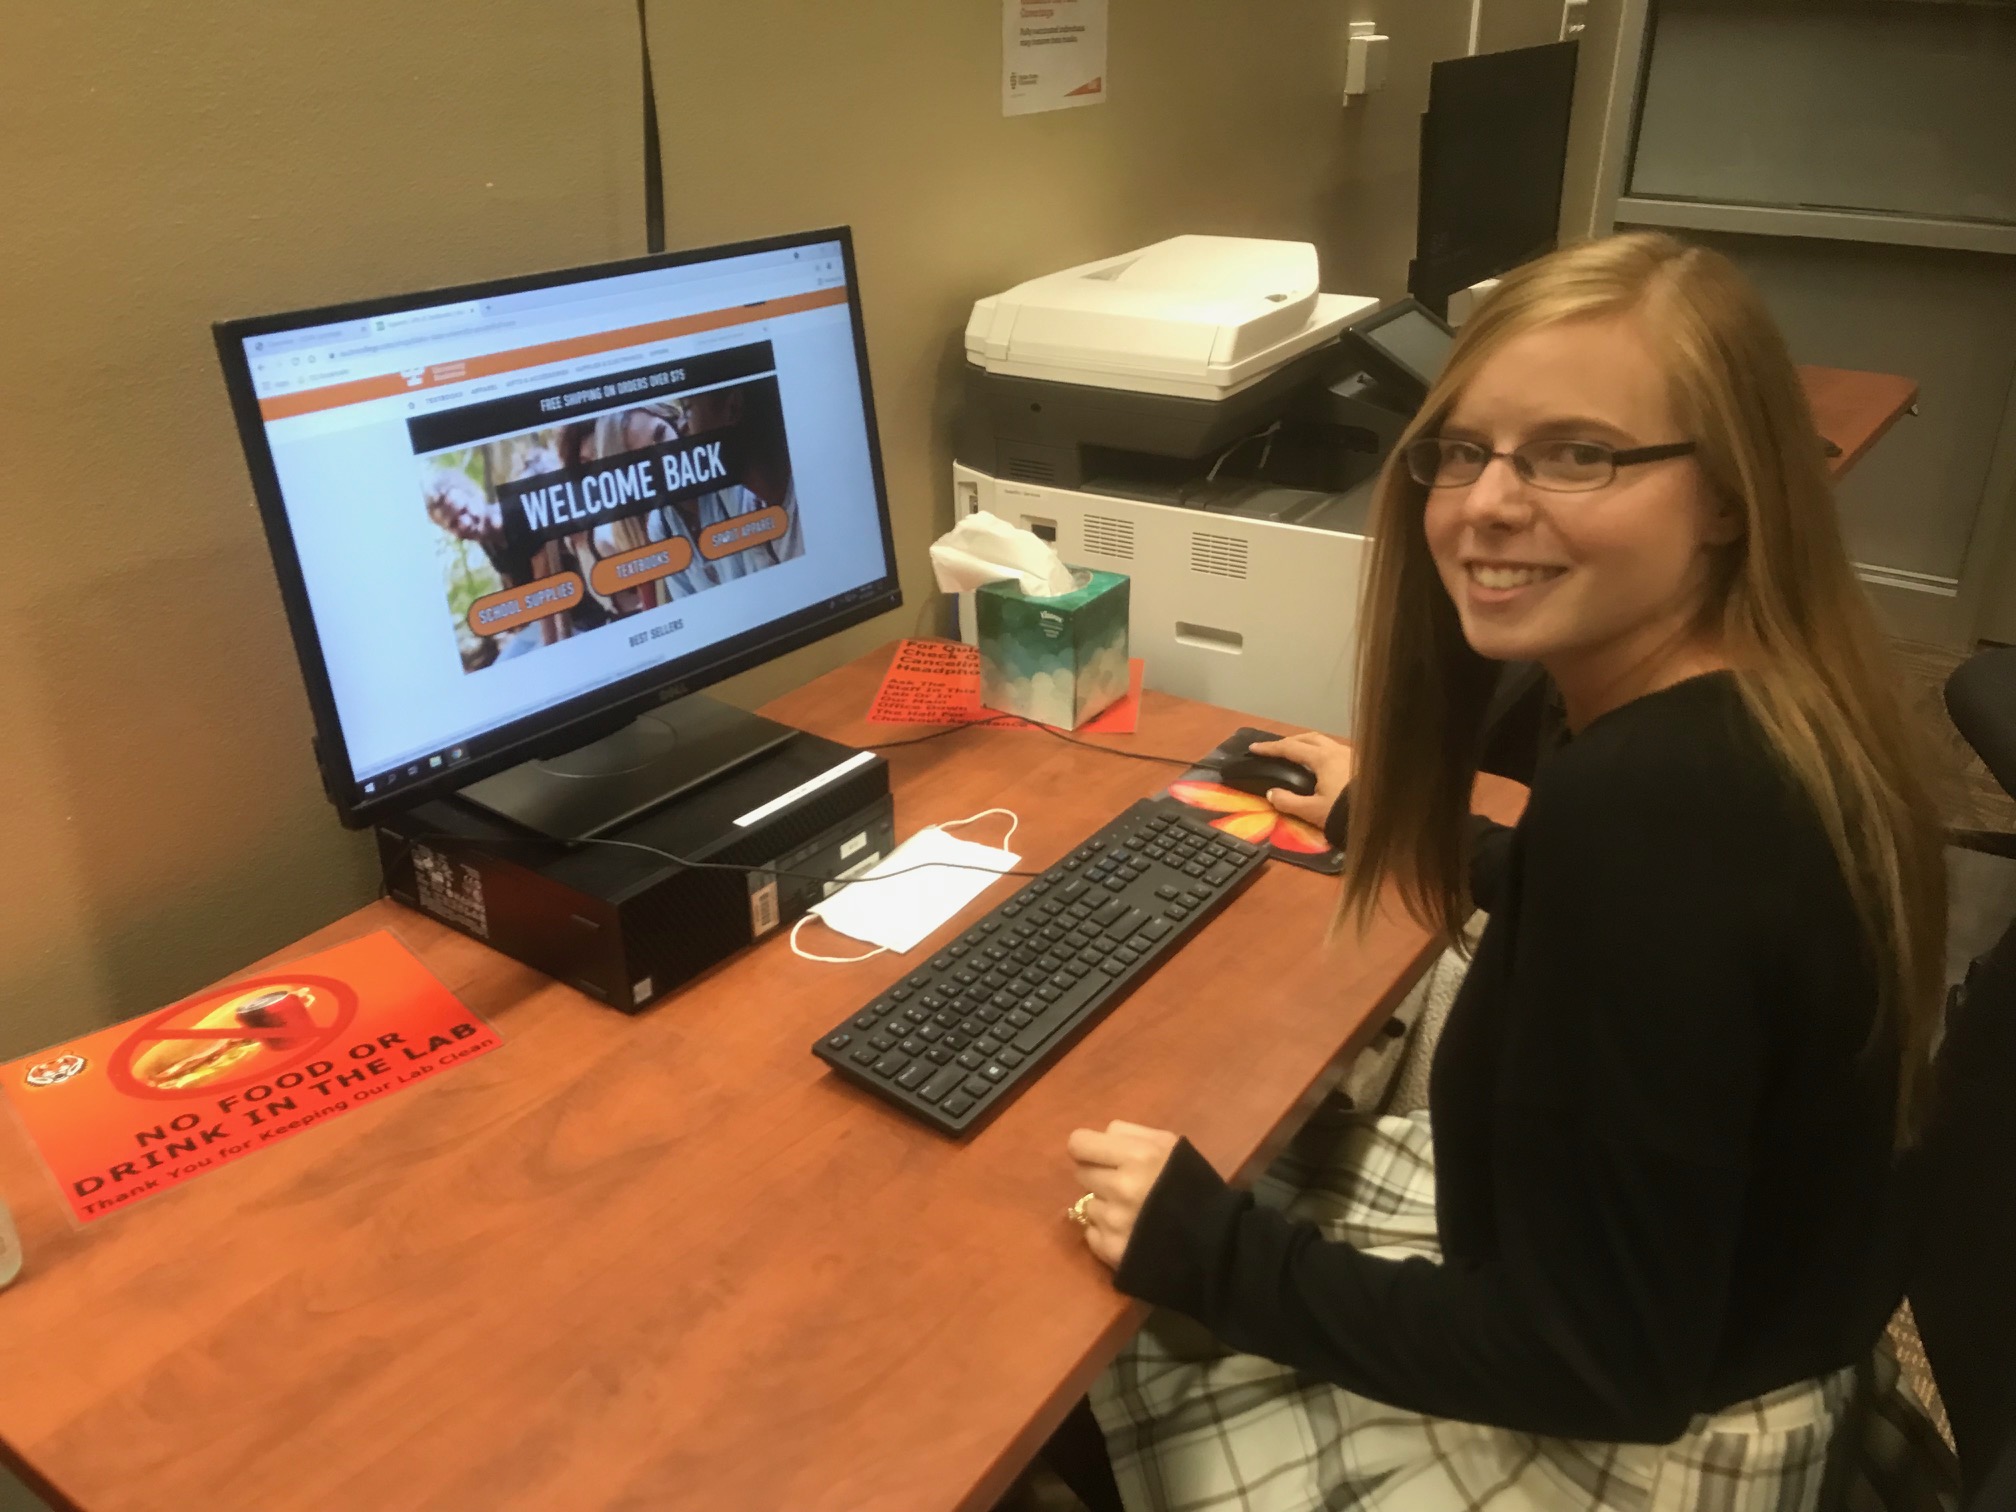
1051	621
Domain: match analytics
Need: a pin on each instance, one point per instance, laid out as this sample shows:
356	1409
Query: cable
1012	721
654	171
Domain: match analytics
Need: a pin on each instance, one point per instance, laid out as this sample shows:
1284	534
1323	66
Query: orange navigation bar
336	395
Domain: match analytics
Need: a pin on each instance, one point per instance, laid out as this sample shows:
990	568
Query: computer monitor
1494	147
509	518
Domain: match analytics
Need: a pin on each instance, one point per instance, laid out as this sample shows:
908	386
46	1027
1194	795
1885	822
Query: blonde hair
1785	605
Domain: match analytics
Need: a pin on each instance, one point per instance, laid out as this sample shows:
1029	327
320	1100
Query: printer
1201	417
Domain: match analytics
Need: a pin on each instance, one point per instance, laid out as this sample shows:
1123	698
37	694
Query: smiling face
1604	589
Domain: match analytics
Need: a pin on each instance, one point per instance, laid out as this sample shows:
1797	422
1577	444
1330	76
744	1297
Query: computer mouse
1260	775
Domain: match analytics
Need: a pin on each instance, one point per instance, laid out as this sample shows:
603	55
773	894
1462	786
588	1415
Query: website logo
413	376
53	1073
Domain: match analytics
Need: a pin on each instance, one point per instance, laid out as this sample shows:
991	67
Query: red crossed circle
177	1022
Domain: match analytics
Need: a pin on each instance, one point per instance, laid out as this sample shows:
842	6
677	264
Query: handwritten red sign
930	682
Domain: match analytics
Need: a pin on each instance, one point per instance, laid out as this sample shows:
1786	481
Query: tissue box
1056	660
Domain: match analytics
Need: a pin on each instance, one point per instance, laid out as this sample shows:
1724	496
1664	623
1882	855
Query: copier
1198	415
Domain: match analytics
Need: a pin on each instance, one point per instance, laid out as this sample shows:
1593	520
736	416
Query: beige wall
173	165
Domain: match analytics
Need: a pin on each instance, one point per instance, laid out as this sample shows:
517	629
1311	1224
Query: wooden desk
1853	409
668	1261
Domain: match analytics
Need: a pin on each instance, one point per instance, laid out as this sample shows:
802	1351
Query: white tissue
983	548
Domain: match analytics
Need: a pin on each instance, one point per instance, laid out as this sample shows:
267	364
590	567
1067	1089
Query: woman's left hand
1119	1168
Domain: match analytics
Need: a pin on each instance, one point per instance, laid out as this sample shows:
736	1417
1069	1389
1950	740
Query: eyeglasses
1560	466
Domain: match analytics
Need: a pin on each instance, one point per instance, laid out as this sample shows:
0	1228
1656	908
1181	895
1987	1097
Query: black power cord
654	171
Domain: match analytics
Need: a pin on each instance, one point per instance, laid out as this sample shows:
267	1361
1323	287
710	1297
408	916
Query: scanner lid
1195	316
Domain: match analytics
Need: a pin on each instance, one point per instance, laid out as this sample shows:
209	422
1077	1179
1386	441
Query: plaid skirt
1190	1426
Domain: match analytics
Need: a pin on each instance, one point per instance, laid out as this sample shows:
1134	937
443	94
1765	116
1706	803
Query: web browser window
501	504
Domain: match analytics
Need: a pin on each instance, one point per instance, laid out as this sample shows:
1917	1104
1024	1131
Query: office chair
1963	1277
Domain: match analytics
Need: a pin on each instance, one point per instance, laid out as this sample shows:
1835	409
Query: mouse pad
1249	817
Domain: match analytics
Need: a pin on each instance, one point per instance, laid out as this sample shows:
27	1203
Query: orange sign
930	682
142	1106
645	564
494	613
740	532
938	682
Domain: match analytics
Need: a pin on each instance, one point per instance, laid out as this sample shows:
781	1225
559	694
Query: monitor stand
655	758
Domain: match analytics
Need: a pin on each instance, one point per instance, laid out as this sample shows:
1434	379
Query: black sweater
1663	1168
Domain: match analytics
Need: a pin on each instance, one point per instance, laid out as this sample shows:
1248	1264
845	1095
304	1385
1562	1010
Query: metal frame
1913	605
1870	227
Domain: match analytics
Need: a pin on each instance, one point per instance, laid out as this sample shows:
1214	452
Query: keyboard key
891	1064
1104	916
1010	1056
938	1055
912	1075
977	1086
862	1056
912	1046
972	1060
994	1071
881	1041
958	1105
942	1081
1158	929
1126	924
839	1041
1221	873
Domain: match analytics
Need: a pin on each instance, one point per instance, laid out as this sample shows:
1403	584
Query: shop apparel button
742	532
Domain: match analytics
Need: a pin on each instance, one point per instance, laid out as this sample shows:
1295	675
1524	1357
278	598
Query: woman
1648	1240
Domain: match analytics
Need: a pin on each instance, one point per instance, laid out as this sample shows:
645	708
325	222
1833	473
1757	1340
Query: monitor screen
500	511
1494	148
1415	340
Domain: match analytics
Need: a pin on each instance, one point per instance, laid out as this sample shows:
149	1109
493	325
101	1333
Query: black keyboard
953	1042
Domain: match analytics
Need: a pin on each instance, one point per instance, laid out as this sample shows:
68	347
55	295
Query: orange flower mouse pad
1250	816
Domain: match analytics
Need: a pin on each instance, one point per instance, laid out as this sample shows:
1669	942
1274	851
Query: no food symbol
231	1038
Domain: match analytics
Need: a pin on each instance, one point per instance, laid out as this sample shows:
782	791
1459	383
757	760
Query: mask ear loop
1014	823
806	955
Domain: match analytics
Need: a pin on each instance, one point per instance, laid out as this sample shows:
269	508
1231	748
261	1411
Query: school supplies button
743	531
646	564
494	613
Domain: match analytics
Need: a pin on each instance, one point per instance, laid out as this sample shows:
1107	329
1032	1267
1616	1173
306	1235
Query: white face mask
901	912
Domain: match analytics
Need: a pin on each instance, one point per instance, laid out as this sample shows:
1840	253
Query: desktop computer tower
617	916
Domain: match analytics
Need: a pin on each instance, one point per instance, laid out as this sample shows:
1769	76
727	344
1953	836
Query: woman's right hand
1331	760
